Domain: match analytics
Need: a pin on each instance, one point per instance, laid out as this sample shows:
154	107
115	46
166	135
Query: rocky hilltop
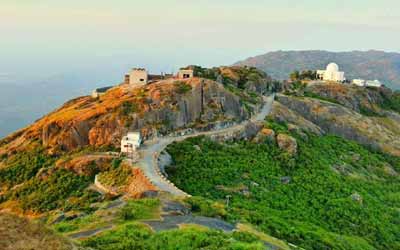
356	64
222	94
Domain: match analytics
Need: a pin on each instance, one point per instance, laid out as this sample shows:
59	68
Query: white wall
138	77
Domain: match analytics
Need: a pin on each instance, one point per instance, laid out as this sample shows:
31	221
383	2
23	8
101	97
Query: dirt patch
138	185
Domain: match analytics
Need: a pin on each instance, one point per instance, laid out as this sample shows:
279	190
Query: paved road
152	148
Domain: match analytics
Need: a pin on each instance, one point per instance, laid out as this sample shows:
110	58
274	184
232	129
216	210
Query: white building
359	82
367	83
131	142
185	73
138	77
374	83
331	73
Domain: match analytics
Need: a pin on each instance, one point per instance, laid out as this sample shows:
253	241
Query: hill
51	163
356	64
321	172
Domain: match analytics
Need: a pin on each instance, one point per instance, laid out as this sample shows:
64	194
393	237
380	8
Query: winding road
151	149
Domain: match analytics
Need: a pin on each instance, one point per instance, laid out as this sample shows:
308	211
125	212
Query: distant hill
356	64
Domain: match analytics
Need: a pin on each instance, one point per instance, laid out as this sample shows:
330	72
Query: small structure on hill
359	82
185	73
100	91
137	76
140	77
367	83
373	83
331	73
131	142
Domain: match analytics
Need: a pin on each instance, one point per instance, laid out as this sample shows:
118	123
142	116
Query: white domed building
331	73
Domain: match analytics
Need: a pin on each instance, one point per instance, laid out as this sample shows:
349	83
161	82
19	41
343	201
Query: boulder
357	198
287	143
263	135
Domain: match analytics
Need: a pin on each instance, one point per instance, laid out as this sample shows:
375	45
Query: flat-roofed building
138	76
185	73
131	142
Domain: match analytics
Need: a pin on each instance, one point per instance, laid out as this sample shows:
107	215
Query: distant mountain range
356	64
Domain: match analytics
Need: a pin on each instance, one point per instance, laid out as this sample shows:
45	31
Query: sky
41	37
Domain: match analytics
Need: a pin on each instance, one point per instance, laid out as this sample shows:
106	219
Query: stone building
138	76
185	73
331	73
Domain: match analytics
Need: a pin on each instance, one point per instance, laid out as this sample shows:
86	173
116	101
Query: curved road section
151	149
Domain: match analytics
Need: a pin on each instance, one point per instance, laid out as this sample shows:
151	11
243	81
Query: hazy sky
55	36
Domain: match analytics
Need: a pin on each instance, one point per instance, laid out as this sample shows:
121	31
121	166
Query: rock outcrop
362	100
381	133
287	143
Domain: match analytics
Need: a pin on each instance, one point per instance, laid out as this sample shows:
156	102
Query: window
141	79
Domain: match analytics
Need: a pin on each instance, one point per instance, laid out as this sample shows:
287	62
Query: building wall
375	83
185	73
134	139
331	76
359	82
138	77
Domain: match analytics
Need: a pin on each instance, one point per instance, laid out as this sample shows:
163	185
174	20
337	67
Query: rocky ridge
343	115
157	108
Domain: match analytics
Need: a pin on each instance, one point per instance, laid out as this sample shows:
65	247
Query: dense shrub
23	166
51	192
136	236
316	209
182	87
128	108
44	187
140	209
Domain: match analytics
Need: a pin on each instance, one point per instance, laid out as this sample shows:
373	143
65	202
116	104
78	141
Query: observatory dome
332	67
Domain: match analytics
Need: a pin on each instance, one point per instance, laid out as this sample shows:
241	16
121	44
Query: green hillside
335	194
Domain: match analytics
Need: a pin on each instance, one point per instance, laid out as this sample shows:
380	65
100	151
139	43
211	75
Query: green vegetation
140	209
41	186
128	108
182	87
24	166
207	73
128	233
340	195
316	96
117	176
249	74
137	236
60	189
392	103
304	75
133	210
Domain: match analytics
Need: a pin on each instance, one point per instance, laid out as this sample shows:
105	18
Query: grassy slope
20	234
315	210
129	233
